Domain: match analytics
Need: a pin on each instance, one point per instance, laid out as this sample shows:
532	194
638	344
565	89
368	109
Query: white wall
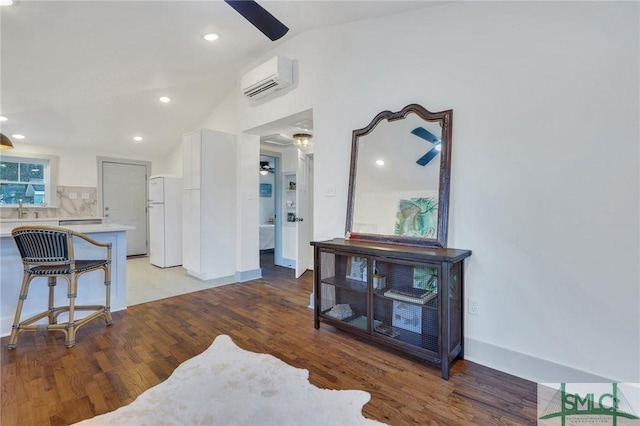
545	185
223	119
79	167
172	164
248	201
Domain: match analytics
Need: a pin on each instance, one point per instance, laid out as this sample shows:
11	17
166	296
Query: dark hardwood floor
43	383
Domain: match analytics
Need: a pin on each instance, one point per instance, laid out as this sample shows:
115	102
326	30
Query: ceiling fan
265	168
423	133
260	18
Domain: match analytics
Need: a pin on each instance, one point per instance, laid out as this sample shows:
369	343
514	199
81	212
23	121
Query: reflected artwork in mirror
399	178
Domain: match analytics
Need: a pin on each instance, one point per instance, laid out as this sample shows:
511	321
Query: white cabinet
209	216
192	159
191	227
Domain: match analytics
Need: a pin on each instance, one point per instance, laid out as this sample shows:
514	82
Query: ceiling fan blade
424	160
423	133
260	18
266	167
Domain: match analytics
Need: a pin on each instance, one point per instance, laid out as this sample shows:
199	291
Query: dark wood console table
394	295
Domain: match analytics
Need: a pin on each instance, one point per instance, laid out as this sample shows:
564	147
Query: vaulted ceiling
88	74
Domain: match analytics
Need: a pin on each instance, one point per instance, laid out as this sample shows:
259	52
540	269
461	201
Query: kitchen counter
91	288
86	229
6	225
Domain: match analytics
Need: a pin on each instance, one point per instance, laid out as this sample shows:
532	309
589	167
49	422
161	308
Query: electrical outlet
331	191
472	306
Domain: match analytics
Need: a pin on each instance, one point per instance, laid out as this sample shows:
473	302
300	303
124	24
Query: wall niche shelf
290	198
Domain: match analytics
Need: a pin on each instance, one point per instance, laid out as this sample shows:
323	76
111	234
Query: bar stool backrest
43	245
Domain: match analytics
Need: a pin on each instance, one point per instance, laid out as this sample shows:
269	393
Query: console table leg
445	368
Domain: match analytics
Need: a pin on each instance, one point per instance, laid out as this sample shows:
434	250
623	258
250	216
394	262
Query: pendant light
5	142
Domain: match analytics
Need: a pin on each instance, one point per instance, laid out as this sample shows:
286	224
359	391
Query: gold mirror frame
444	118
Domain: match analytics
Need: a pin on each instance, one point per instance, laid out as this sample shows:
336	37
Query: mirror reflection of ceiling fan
260	18
265	168
423	133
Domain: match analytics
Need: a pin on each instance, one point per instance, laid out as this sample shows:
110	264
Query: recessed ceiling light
6	2
211	37
380	162
3	118
164	99
18	136
137	138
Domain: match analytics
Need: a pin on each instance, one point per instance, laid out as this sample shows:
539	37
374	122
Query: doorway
269	225
123	198
292	187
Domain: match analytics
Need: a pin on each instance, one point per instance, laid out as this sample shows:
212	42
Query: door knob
106	215
299	219
106	208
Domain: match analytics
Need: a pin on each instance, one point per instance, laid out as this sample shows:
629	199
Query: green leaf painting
417	217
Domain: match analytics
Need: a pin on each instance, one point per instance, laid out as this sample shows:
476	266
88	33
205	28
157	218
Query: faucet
21	212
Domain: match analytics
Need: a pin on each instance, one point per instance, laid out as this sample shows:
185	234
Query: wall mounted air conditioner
271	76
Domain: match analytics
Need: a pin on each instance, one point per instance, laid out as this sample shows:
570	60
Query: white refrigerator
165	221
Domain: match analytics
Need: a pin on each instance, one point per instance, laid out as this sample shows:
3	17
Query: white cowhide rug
226	385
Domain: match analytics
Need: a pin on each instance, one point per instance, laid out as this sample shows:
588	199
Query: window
28	177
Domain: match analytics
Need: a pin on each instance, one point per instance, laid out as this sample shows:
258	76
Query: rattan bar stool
47	251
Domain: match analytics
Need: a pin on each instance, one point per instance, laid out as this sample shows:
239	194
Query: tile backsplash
77	201
73	201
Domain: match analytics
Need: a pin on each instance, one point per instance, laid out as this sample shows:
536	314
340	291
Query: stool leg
52	285
13	339
73	293
107	284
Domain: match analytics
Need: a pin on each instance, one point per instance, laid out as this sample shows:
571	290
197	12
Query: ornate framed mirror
399	178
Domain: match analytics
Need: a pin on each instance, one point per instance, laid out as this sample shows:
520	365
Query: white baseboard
212	281
243	276
526	366
288	263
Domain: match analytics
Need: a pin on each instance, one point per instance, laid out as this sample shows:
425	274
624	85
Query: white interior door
124	201
302	225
